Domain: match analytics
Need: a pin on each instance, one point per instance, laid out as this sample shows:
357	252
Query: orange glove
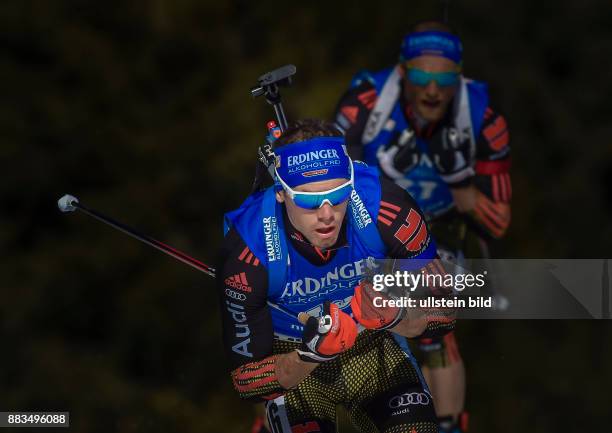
326	337
371	316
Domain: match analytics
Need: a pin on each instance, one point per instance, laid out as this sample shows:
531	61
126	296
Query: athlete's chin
431	115
327	244
432	112
324	241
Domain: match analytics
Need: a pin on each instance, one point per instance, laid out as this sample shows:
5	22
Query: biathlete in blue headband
303	246
431	131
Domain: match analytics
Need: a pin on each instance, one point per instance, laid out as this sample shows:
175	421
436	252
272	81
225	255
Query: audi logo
409	399
235	295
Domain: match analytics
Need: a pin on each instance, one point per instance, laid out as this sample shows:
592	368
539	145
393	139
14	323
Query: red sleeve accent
390	206
413	232
406	231
493	141
400	222
367	98
307	427
493	159
493	167
352	113
493	216
257	380
452	350
418	241
496	133
242	286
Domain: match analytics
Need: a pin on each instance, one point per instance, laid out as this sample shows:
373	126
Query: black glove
400	156
450	149
326	337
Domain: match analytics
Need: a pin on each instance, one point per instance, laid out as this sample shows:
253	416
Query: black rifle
269	85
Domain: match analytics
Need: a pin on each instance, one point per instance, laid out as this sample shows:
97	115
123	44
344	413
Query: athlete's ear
402	70
280	196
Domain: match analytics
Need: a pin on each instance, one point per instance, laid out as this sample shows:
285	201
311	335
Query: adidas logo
239	282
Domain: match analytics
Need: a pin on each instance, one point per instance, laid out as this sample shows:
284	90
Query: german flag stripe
387	213
248	257
384	220
243	253
390	206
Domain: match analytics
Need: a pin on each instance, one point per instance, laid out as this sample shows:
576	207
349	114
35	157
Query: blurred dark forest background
142	110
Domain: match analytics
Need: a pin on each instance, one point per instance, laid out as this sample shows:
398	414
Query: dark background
142	110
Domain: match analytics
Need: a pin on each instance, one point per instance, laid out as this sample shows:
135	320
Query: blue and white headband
432	43
313	160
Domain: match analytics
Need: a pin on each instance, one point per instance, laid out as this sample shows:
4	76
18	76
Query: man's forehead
322	185
432	63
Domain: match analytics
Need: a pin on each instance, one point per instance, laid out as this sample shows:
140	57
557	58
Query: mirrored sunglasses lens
447	79
423	78
315	201
307	201
340	196
417	77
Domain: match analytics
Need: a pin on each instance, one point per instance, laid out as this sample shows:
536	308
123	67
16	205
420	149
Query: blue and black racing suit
456	234
268	263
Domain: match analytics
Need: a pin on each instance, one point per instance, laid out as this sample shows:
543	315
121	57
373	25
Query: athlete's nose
326	213
432	88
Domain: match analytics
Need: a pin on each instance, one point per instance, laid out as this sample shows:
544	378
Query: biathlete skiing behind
303	245
432	132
